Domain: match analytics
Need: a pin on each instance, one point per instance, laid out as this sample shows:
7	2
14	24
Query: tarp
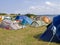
24	19
53	28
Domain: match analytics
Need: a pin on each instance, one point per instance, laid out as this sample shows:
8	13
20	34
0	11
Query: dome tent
46	19
38	23
24	19
9	25
53	31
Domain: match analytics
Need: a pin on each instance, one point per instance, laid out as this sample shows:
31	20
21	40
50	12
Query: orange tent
46	19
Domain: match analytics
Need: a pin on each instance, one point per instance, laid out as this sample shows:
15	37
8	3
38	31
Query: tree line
12	14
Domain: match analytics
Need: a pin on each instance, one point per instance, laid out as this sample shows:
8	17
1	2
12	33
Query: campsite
29	22
23	33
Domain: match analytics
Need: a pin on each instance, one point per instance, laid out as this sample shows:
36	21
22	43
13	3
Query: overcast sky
30	6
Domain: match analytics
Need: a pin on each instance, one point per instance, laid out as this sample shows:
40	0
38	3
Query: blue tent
24	19
52	31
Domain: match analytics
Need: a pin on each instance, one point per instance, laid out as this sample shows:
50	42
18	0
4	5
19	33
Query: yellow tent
1	18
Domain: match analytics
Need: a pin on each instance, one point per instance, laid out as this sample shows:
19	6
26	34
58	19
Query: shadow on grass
38	38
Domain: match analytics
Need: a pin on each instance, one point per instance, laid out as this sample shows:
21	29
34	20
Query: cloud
39	8
49	3
46	8
52	4
34	8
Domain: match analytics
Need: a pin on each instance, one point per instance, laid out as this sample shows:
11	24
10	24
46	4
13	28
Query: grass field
26	36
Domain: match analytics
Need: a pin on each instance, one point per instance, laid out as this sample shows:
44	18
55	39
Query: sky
30	6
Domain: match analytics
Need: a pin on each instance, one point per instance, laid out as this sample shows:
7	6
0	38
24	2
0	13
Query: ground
26	36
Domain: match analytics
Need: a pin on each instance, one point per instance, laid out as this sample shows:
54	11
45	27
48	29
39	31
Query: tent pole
54	32
51	40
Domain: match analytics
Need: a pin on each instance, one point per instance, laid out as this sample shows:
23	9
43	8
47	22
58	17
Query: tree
29	15
13	14
3	13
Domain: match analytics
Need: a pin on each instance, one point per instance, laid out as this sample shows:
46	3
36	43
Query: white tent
38	23
9	24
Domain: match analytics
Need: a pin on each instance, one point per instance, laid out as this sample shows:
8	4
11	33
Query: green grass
26	36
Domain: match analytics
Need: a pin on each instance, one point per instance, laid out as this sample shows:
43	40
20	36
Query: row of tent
20	22
41	21
7	23
34	23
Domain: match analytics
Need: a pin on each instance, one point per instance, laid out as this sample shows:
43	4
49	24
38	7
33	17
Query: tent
7	17
1	18
8	24
52	33
24	19
38	23
46	19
